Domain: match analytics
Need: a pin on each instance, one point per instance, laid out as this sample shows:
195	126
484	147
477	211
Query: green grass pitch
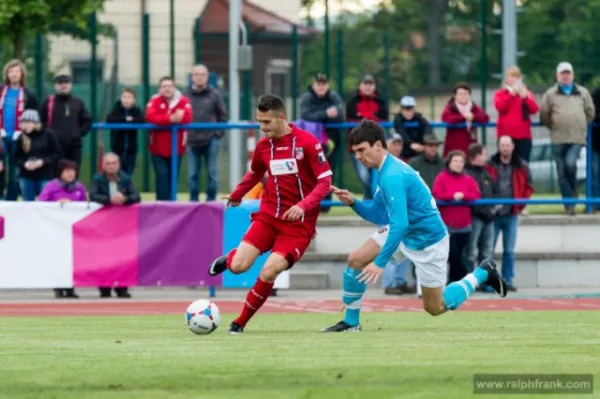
398	355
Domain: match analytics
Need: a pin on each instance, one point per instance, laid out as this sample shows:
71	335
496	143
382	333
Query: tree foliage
436	43
22	19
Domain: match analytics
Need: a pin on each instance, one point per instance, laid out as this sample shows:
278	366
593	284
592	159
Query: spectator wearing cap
461	110
123	142
515	105
412	126
68	118
367	103
65	188
567	109
429	164
321	105
36	154
15	98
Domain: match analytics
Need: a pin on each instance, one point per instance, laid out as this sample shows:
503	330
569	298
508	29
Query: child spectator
453	184
36	153
124	143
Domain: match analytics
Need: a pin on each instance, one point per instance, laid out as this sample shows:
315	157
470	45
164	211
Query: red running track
127	308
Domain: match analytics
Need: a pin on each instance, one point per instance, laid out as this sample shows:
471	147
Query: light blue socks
458	292
352	297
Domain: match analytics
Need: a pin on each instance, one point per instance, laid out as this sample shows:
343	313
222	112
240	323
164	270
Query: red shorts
288	239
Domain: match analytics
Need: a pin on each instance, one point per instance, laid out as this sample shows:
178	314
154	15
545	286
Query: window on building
82	71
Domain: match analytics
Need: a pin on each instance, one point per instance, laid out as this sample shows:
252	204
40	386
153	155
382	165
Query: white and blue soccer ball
202	317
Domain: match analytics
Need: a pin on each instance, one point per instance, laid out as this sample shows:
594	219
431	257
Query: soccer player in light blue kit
416	229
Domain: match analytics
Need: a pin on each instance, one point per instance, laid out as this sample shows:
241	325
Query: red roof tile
215	19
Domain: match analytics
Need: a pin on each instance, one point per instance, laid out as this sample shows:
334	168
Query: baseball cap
564	67
62	79
395	137
321	77
408	102
368	78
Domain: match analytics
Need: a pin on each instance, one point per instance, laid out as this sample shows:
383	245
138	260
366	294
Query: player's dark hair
271	102
368	131
475	149
455	153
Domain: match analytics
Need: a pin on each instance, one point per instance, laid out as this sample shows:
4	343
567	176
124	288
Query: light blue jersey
405	203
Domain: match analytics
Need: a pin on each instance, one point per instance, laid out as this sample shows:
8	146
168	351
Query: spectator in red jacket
513	178
462	110
168	107
515	105
366	104
453	184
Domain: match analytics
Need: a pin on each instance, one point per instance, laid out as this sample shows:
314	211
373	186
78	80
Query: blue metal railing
349	125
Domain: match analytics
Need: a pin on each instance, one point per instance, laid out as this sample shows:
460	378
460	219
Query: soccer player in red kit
299	178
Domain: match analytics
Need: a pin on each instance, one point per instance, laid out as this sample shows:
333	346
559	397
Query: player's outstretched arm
373	212
249	180
395	196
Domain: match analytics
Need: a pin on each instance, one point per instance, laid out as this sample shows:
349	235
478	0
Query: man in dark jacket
207	106
124	143
481	240
68	117
366	104
319	104
511	175
412	126
429	164
112	187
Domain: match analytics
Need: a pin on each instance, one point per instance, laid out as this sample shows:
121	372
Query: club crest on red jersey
299	153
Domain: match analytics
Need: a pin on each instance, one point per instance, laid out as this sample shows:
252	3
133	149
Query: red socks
256	298
230	256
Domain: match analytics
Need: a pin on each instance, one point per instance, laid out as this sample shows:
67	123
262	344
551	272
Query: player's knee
434	309
239	264
270	272
355	261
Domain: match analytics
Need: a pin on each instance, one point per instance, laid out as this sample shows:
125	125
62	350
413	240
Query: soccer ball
202	317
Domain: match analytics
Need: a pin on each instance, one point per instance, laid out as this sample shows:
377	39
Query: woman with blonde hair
15	98
36	153
515	105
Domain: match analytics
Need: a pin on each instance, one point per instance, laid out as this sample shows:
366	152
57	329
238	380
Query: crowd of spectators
463	170
41	149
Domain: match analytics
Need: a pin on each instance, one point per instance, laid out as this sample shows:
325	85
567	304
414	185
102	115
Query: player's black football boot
236	329
494	279
218	266
342	326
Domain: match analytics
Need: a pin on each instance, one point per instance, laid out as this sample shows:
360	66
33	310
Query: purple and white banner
46	245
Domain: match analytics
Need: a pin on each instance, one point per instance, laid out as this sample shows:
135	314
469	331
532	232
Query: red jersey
159	112
298	174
